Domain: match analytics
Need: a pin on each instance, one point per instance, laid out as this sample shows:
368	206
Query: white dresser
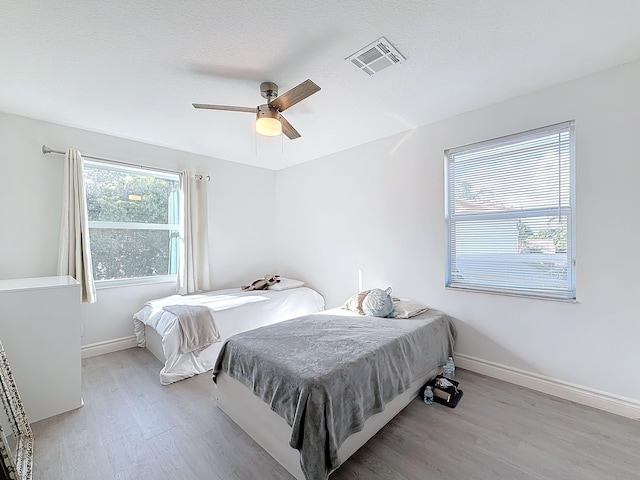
40	331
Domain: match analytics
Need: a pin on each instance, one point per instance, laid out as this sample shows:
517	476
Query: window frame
568	294
176	228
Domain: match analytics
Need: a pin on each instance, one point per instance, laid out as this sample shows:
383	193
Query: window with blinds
510	214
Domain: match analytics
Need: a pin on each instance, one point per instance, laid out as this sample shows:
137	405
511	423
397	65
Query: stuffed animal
262	283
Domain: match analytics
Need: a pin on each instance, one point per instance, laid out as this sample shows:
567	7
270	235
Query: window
510	212
133	222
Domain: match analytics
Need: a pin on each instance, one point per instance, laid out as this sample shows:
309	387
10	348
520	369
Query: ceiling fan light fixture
268	121
269	127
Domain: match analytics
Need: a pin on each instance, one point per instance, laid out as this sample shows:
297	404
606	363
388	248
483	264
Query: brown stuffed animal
262	283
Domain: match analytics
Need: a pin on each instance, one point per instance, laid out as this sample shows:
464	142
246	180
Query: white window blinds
510	214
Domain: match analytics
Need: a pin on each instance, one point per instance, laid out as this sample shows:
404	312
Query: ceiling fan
269	120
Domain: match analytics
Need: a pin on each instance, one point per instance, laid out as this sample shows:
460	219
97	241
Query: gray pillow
378	303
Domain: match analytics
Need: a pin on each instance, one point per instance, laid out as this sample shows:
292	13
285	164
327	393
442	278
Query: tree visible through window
510	214
133	221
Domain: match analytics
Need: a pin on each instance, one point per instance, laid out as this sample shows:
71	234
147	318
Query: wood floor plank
131	427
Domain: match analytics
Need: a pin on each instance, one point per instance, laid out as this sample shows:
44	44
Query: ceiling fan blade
294	95
225	107
288	129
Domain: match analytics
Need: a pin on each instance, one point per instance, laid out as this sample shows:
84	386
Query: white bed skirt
272	433
153	342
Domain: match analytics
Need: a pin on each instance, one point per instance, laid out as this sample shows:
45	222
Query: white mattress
234	311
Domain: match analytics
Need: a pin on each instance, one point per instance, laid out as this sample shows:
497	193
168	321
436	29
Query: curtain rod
199	176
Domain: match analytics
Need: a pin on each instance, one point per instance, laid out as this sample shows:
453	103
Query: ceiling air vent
376	56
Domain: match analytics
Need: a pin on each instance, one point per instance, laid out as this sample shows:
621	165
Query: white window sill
128	282
529	296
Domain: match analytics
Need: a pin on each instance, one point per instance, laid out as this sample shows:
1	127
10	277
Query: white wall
241	204
379	208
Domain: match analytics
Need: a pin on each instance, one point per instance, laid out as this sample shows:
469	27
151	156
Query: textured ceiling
132	69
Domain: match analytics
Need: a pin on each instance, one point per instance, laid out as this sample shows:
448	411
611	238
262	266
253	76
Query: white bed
234	311
273	433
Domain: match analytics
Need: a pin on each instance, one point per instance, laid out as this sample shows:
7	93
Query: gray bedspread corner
197	327
450	324
326	375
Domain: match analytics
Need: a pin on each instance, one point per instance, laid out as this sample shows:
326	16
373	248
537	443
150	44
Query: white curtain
193	262
74	254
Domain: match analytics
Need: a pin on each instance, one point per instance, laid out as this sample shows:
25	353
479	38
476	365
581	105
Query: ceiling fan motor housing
268	90
267	110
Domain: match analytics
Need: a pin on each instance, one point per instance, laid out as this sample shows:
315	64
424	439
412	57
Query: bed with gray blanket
325	376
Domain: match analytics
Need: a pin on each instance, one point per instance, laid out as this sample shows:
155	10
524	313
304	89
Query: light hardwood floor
131	427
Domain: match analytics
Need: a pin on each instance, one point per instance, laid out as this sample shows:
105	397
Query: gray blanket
196	326
325	374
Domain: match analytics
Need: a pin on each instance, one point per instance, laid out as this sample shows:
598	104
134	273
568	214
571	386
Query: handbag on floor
445	391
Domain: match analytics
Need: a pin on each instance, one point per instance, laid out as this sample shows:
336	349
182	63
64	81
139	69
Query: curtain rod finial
46	149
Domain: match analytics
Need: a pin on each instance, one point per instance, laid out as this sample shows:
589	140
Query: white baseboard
608	402
100	348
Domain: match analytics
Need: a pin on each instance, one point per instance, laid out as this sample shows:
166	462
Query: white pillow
407	308
286	284
354	302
